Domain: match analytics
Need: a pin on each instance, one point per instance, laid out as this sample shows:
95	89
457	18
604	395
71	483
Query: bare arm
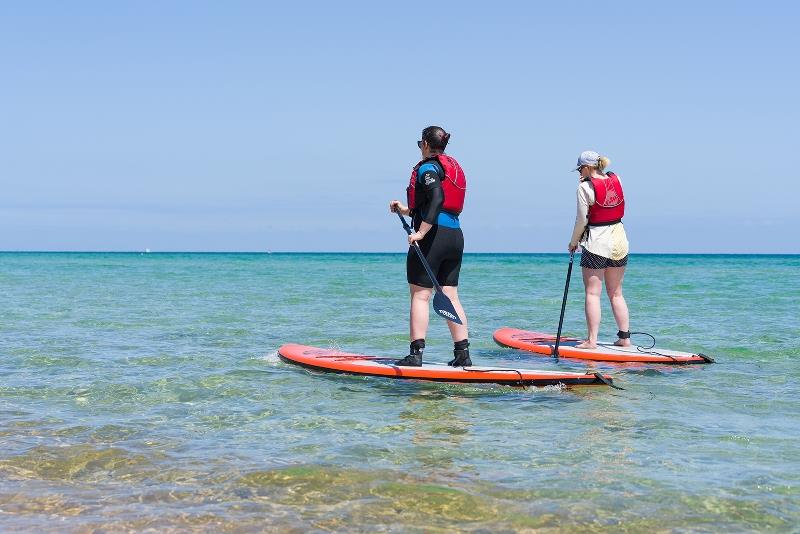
585	198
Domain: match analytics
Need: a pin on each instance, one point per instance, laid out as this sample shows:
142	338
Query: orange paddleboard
605	352
358	364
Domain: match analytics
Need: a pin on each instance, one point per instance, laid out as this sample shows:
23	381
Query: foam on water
270	357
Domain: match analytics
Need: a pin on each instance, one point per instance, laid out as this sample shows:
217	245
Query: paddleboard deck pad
544	344
336	361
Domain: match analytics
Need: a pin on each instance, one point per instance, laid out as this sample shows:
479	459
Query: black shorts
593	261
443	247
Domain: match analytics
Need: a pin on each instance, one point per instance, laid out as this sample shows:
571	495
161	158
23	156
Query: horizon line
284	252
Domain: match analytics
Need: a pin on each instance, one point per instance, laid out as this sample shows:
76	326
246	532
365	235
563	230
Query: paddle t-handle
441	302
563	304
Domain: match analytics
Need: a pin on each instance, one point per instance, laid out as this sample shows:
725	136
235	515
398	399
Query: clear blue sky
288	126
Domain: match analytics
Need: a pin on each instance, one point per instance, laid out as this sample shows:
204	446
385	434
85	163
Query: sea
143	392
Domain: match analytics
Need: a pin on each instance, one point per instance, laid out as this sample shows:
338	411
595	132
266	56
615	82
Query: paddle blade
443	306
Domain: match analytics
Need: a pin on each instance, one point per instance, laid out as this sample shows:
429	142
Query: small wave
642	372
270	357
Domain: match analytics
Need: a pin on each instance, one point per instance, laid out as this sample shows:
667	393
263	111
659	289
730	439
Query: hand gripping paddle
441	304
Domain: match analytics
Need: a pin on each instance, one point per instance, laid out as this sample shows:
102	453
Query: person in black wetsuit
435	196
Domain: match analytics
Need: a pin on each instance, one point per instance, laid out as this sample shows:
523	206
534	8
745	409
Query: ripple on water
72	462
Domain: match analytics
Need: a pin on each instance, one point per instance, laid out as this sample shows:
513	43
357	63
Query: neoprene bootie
460	354
414	358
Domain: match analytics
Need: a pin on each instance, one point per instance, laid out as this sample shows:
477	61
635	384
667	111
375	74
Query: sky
289	126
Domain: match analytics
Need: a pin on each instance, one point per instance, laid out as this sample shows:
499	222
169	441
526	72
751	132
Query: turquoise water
144	392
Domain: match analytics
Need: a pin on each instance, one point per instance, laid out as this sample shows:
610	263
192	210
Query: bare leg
420	310
614	276
457	331
593	282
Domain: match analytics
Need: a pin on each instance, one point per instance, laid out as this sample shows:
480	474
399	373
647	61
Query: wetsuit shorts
443	247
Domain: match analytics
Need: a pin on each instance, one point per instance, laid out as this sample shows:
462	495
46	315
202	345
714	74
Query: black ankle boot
460	354
414	358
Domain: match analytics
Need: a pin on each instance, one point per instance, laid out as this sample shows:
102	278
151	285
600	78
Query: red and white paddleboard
358	364
543	344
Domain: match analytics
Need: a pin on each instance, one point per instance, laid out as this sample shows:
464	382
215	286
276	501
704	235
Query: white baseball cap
588	157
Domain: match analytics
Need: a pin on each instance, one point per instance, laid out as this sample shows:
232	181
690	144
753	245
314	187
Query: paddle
563	304
441	303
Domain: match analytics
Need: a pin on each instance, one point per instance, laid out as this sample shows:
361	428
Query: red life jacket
454	184
609	201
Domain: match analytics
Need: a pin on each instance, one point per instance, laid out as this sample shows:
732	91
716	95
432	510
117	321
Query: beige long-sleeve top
607	241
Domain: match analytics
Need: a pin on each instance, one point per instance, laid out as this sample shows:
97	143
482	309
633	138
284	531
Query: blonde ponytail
602	163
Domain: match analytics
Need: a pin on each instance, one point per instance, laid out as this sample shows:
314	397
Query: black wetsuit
443	245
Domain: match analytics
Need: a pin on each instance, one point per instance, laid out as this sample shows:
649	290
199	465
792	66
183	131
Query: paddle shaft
421	256
563	304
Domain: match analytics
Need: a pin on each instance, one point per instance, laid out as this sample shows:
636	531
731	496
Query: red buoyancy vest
454	184
609	201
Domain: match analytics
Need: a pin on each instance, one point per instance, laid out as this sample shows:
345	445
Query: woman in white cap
598	229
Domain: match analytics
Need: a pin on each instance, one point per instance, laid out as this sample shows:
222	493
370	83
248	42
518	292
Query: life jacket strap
609	223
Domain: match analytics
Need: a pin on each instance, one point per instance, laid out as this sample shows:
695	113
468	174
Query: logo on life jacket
609	201
454	184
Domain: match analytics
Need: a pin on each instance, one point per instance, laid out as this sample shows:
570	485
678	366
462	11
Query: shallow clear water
144	392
